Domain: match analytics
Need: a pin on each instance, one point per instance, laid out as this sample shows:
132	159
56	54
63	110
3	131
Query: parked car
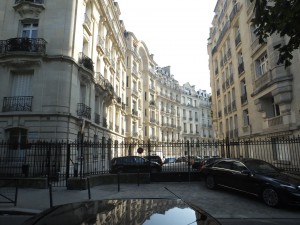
154	158
110	211
133	164
169	160
206	160
255	177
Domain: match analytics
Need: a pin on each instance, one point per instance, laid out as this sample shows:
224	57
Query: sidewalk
228	207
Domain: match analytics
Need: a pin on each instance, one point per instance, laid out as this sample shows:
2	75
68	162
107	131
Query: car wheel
210	182
270	197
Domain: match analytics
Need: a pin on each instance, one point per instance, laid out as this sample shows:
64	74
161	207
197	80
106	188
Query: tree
278	17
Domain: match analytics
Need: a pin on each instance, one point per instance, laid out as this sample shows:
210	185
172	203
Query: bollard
89	188
118	181
138	177
50	195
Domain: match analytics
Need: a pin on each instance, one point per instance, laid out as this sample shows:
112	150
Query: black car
112	211
133	164
154	158
205	161
255	177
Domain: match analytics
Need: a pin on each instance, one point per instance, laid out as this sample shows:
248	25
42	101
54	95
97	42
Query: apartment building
252	96
69	70
196	114
62	70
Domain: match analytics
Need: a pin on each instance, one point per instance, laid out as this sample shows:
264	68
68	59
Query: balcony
152	103
30	45
104	123
97	118
275	121
134	112
241	68
86	61
238	40
31	1
83	110
235	10
243	98
27	8
17	103
216	71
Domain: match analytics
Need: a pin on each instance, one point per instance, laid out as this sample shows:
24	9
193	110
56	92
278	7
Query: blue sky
175	33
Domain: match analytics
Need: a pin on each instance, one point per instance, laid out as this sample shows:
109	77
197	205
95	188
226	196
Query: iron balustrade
86	61
83	110
241	68
97	118
32	1
35	45
17	103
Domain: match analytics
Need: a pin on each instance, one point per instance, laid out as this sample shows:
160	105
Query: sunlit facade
252	96
70	70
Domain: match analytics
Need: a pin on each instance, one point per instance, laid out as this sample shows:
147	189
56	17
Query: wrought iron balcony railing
17	103
97	118
83	110
86	61
36	45
33	1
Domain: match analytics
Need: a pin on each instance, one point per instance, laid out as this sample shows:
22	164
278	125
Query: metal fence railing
59	161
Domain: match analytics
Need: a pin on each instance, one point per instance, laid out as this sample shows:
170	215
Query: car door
221	172
244	180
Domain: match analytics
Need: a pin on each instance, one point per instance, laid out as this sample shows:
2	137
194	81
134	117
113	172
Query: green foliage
279	17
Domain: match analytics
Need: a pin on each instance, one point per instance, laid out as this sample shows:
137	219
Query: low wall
77	183
41	183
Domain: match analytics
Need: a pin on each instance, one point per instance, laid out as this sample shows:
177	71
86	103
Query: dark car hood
124	212
283	178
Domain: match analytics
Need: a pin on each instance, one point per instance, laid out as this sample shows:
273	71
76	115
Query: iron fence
59	161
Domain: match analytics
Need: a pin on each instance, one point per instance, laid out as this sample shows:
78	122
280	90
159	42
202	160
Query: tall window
22	84
261	65
29	30
246	117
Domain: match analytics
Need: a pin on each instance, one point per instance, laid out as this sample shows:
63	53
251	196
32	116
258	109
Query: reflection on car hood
124	212
283	178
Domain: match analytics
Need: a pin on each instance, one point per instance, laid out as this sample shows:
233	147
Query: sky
176	33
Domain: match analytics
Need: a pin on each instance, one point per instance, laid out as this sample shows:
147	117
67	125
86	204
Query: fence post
227	147
189	160
68	161
50	195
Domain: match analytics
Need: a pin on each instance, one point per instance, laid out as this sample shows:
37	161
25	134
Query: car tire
210	182
270	197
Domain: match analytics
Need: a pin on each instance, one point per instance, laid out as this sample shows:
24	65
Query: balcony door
29	30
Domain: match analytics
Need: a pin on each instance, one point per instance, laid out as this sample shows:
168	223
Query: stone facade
70	70
252	96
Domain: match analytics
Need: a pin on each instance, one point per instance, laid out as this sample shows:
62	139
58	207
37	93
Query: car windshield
259	166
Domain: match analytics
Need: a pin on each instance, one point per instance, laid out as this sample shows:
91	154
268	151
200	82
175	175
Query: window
22	84
261	65
29	30
246	117
276	109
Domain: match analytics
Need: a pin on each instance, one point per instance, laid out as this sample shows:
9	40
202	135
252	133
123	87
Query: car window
139	160
238	166
223	164
260	166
